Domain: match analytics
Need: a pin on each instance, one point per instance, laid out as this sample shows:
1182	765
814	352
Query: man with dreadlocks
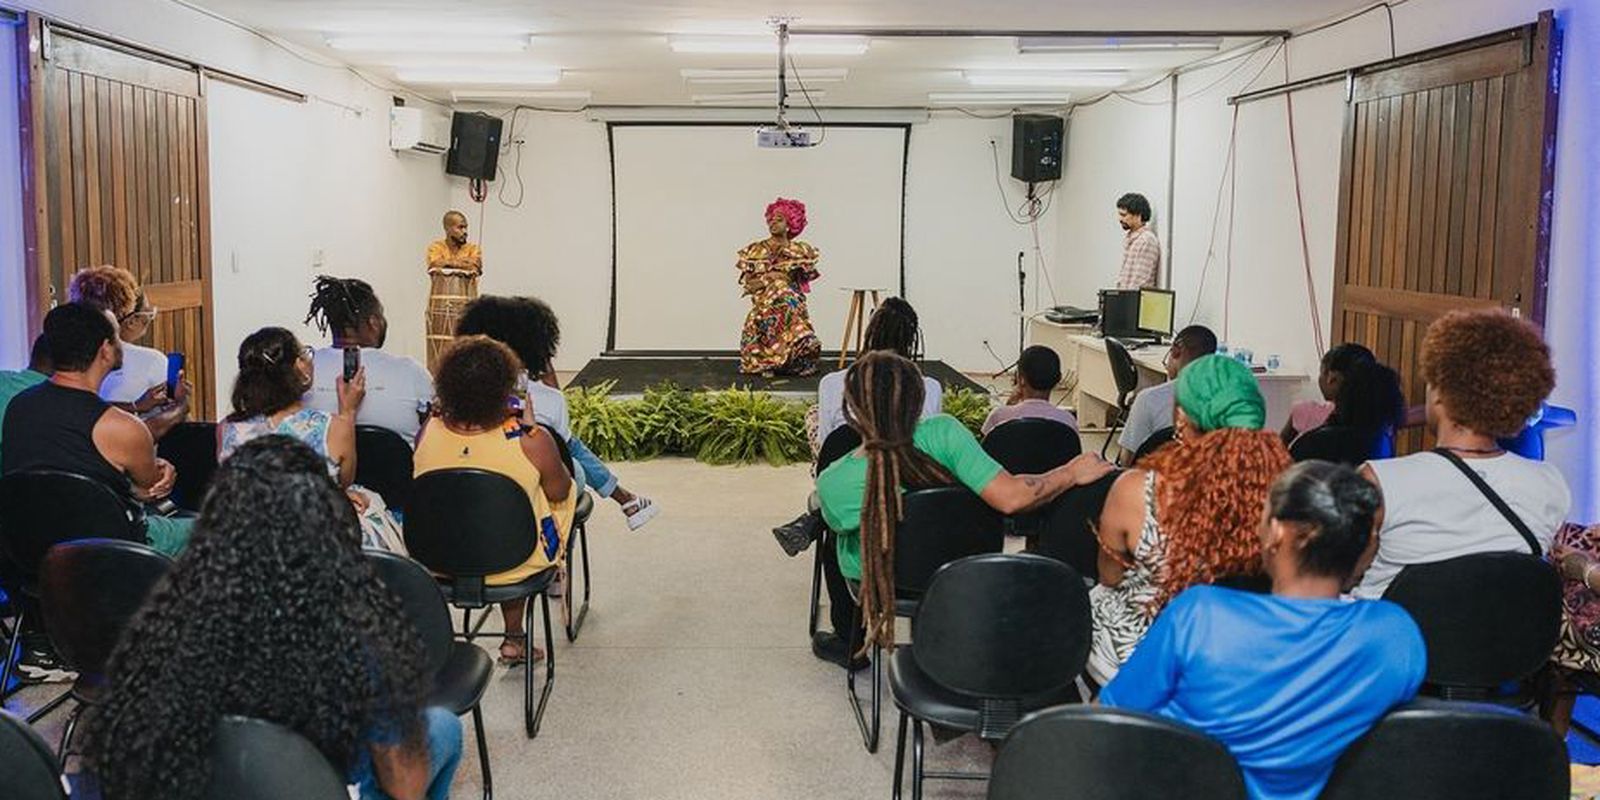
398	388
860	493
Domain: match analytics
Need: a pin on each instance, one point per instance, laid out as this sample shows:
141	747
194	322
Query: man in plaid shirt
1141	252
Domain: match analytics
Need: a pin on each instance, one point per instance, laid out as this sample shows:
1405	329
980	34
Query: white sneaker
640	511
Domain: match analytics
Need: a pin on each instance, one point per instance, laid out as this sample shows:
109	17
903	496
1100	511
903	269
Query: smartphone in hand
352	363
174	369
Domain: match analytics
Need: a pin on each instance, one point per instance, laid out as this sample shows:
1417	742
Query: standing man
454	265
1141	252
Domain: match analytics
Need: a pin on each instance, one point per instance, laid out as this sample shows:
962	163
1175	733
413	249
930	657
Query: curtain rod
135	48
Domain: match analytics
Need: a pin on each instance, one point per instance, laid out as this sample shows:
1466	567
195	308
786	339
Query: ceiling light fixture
1132	44
1047	78
998	98
766	45
743	98
501	95
467	76
425	43
729	76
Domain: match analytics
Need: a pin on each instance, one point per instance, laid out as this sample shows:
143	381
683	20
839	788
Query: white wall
1266	308
14	341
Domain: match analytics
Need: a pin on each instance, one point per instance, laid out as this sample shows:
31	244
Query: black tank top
52	427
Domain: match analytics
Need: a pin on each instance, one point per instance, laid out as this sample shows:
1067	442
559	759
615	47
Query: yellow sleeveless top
491	451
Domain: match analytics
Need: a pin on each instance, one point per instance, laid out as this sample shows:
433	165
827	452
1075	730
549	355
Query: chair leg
483	752
65	750
869	731
45	709
899	756
581	543
916	760
816	588
8	662
533	717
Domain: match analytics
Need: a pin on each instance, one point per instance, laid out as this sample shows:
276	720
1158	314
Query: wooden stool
856	319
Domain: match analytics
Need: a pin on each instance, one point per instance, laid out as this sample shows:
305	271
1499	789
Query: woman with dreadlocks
893	327
1188	514
860	492
398	388
275	560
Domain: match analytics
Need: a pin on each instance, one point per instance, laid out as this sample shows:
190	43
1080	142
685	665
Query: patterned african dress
777	335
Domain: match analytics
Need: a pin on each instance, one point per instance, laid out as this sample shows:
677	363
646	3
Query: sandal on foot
512	652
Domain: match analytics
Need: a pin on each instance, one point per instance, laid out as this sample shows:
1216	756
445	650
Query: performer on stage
454	265
776	273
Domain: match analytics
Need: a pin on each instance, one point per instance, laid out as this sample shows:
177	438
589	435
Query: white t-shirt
142	368
1151	411
830	402
1431	512
550	407
396	385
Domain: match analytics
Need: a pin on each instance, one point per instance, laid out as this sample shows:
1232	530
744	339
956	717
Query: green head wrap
1219	392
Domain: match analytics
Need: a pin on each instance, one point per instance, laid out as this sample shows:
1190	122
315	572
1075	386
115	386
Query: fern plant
608	426
666	415
743	426
972	408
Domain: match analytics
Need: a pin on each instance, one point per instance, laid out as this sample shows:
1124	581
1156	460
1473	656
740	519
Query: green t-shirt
12	382
843	485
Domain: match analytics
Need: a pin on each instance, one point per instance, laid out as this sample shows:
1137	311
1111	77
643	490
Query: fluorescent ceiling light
468	76
998	98
1046	78
500	95
1079	44
808	76
750	98
424	43
768	45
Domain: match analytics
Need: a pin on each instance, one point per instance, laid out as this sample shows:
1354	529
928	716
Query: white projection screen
689	196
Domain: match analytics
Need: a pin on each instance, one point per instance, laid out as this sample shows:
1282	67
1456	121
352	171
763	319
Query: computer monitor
1156	310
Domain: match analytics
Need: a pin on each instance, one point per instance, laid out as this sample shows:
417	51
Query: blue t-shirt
1285	683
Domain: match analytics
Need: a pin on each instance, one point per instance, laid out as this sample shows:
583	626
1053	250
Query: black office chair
1436	750
1068	533
30	769
937	526
192	449
1154	442
1101	753
1340	444
582	508
1126	376
465	525
839	443
42	508
1030	446
1488	619
995	637
383	464
461	670
252	759
89	591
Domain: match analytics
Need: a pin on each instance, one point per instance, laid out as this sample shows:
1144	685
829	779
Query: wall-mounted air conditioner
418	130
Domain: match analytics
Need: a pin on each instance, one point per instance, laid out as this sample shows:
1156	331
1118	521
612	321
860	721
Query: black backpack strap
1494	499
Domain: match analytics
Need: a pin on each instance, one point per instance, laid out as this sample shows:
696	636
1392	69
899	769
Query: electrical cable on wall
1300	208
823	136
1028	213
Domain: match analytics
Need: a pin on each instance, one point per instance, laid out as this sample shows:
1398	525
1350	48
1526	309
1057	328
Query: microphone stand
1022	304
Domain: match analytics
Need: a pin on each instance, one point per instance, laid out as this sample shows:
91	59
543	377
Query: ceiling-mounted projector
783	136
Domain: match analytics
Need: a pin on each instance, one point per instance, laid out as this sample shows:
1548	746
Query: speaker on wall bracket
1036	147
474	146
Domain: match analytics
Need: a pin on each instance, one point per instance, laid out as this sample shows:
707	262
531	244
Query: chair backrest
938	526
252	759
1101	753
41	508
838	444
383	464
1068	532
1487	618
1437	750
90	590
469	522
422	601
192	449
1154	442
1003	626
1340	444
27	763
1030	446
562	447
1123	371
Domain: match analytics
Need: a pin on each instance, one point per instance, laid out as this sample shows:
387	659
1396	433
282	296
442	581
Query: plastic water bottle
1245	356
1222	349
1274	362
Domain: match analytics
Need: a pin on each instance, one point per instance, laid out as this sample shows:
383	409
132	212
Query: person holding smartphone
141	384
397	386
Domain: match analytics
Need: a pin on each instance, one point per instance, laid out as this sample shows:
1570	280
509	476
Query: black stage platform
632	372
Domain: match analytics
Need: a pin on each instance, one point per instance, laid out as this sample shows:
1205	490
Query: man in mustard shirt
454	265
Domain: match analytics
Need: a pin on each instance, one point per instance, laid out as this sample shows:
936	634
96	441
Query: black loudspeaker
1036	147
474	146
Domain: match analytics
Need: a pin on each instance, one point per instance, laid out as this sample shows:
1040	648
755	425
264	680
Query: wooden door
120	178
1445	192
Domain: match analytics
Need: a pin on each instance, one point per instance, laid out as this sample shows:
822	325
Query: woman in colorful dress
776	273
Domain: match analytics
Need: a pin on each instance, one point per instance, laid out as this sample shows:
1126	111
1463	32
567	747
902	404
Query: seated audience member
474	429
274	374
1486	374
1187	515
901	450
1286	681
272	613
529	327
1368	409
140	384
63	424
13	382
1038	372
398	388
1336	364
1152	407
893	327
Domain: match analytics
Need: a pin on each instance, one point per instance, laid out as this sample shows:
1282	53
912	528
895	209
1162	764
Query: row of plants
730	426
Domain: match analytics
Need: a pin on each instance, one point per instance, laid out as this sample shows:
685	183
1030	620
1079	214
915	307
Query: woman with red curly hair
776	273
1188	514
1487	373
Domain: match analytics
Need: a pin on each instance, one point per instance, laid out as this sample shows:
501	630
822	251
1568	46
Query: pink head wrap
793	211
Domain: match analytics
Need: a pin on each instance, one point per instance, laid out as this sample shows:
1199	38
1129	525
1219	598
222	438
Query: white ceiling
618	50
